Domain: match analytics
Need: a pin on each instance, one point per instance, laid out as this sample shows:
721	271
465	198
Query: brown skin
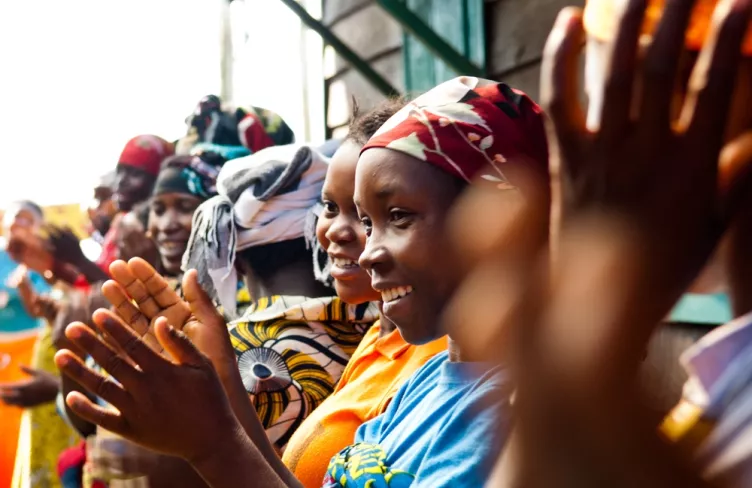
131	240
403	204
170	222
25	245
132	185
102	209
339	229
640	201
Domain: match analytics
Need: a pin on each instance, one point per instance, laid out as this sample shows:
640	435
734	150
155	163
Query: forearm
238	462
248	418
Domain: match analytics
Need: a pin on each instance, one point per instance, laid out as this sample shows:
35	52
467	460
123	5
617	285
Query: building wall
516	31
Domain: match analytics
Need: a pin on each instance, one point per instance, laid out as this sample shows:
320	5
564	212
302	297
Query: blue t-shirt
443	428
13	315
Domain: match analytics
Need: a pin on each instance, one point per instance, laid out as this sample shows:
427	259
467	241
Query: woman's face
403	204
170	220
339	229
131	241
132	186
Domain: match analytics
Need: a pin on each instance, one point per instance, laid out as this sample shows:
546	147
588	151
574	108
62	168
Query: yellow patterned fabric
291	353
44	435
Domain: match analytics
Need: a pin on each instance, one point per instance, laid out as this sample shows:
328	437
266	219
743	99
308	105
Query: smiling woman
184	182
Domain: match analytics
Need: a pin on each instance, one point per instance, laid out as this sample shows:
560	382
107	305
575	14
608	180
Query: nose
374	257
168	223
340	231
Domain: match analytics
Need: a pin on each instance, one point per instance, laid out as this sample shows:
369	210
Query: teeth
344	263
392	294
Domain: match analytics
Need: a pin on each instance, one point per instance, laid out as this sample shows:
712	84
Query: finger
124	307
101	386
103	354
177	344
29	370
199	301
107	419
155	284
619	84
661	65
122	274
128	341
711	85
559	76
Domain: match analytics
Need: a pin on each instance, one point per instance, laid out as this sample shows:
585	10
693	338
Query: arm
197	317
156	399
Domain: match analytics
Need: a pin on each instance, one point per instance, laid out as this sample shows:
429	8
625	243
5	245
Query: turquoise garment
695	308
13	315
441	430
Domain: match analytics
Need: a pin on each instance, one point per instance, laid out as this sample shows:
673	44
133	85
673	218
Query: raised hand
195	315
176	407
640	163
41	387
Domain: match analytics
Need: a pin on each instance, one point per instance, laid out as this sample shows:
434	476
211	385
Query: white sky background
80	77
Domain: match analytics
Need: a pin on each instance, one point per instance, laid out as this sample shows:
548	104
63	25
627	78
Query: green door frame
414	25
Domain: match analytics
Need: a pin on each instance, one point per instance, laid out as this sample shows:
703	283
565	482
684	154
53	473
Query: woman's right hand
177	407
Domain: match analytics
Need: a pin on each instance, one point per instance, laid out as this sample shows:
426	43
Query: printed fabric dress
291	353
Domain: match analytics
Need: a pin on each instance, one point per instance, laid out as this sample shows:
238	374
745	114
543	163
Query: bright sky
80	77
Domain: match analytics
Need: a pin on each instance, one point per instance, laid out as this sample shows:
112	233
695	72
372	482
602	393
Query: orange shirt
602	19
375	372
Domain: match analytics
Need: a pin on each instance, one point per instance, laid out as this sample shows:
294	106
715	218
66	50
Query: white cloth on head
263	198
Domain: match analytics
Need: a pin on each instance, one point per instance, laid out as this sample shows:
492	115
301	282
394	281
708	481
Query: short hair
364	126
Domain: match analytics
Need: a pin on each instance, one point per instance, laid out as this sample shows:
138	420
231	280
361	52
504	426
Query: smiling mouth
344	263
172	248
393	294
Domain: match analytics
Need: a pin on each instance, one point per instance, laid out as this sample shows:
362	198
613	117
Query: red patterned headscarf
469	127
146	153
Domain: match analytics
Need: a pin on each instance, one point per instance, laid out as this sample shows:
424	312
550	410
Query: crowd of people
466	291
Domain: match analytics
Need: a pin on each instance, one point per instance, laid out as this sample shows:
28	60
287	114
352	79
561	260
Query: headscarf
195	174
469	127
602	19
145	152
263	198
252	127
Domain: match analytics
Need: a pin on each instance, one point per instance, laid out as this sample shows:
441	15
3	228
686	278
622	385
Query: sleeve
467	447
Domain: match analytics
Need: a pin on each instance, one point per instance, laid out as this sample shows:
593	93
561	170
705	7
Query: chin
352	295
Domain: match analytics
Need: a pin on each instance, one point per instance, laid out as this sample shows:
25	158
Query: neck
295	279
386	326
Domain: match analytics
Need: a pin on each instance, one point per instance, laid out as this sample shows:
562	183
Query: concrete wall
516	31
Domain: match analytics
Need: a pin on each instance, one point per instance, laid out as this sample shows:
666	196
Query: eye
330	208
366	225
399	216
158	208
188	206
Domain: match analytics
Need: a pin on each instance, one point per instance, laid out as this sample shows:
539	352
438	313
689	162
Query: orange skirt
14	352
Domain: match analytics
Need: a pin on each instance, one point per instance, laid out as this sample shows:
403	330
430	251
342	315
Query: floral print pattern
291	352
471	128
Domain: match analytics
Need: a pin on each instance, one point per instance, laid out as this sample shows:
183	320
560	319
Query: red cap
146	153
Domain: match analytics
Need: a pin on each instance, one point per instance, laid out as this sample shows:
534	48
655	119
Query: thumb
177	344
200	303
29	370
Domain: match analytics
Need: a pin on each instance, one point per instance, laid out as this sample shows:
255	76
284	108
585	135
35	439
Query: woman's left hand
161	404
